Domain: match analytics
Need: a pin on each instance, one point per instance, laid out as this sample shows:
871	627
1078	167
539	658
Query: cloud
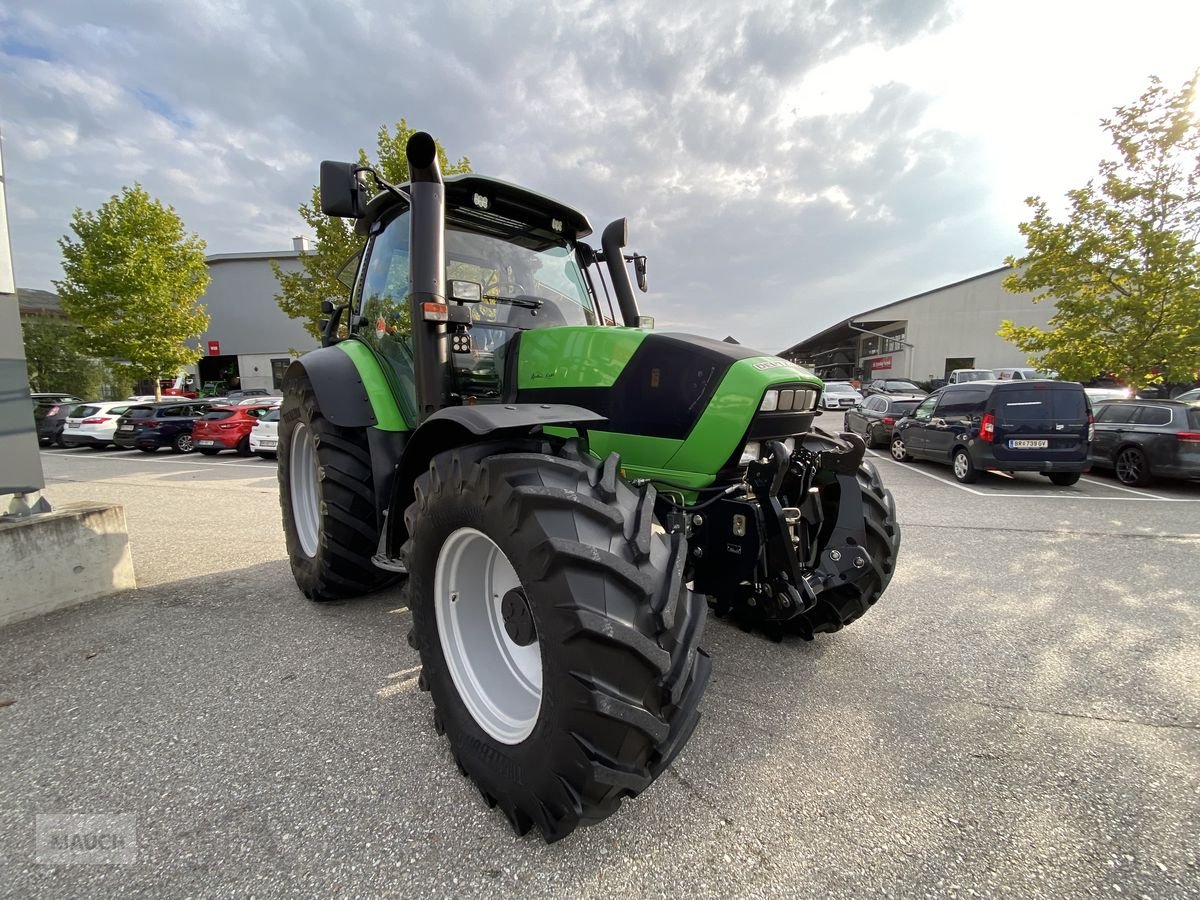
782	164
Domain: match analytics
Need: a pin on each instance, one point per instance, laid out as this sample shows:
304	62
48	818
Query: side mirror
342	194
639	269
327	307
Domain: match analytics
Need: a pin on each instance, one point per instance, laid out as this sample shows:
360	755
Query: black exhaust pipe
613	242
427	261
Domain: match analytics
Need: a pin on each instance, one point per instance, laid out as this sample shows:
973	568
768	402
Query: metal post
20	462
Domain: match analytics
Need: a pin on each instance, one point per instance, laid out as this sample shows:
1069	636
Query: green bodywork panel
575	356
381	390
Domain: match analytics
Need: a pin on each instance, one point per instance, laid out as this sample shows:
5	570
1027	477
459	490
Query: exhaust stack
427	255
613	242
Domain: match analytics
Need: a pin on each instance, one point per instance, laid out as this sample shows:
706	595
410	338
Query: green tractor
563	492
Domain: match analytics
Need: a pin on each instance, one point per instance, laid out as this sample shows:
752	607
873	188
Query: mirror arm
329	327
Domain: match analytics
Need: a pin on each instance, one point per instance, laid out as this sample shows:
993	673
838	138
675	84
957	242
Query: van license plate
1028	445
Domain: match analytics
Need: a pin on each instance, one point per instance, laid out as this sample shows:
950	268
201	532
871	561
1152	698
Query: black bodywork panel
663	390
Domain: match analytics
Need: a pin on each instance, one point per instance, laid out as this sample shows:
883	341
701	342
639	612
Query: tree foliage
300	293
131	281
1123	266
54	362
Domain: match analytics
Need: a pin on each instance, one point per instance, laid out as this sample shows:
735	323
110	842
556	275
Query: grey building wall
959	320
241	305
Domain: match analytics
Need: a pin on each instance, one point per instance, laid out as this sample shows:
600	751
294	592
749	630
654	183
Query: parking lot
1020	716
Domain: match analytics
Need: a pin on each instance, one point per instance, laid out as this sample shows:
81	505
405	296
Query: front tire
899	453
327	496
618	670
1132	467
183	443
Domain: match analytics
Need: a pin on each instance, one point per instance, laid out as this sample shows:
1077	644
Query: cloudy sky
784	165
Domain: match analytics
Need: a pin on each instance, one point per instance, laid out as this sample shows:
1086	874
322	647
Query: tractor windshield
523	284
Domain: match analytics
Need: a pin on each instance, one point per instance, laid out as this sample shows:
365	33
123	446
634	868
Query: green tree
300	293
54	362
131	281
1123	266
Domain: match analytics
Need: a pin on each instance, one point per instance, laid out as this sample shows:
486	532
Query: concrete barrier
76	553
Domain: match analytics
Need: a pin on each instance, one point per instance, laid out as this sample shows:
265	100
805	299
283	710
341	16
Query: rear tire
331	545
243	446
964	467
621	673
1064	479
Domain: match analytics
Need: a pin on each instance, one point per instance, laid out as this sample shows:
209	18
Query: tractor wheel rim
498	680
185	443
898	449
304	477
1128	466
961	464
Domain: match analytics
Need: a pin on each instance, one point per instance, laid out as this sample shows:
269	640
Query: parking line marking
1118	487
1048	496
146	458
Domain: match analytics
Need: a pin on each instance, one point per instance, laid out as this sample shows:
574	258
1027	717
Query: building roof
841	331
36	302
261	254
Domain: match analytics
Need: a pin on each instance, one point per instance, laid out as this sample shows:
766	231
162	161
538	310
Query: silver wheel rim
185	443
499	681
303	477
898	449
961	465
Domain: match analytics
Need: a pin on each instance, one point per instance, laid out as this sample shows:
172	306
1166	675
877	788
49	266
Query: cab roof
510	209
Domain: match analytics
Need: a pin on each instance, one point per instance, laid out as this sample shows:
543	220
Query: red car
227	428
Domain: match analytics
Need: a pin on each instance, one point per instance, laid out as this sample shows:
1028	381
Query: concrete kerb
49	561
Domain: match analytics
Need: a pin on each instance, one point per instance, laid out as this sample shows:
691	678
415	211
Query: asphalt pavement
1019	716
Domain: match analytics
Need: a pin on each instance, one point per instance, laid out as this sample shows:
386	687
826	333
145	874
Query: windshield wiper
524	301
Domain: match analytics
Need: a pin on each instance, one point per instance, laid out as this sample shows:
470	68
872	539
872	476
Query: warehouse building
926	336
250	341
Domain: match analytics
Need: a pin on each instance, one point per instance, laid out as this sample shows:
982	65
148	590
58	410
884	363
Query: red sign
879	362
214	348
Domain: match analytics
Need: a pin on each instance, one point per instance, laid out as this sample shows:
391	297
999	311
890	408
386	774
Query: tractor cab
513	260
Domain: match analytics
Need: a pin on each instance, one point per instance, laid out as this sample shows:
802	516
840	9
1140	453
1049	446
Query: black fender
457	426
339	388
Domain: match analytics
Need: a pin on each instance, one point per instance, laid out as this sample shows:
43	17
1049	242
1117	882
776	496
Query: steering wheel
508	289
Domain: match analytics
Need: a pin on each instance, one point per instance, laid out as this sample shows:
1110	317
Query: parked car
1142	440
93	424
1098	395
1020	373
875	418
962	376
260	401
840	395
893	386
149	426
50	415
264	436
1189	396
226	428
1005	426
235	397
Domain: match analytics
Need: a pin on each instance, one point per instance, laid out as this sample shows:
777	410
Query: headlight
750	453
770	402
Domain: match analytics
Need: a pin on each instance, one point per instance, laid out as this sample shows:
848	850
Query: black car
876	417
893	386
149	426
1145	439
1005	426
50	415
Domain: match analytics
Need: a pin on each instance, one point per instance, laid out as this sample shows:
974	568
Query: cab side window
960	405
1115	413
